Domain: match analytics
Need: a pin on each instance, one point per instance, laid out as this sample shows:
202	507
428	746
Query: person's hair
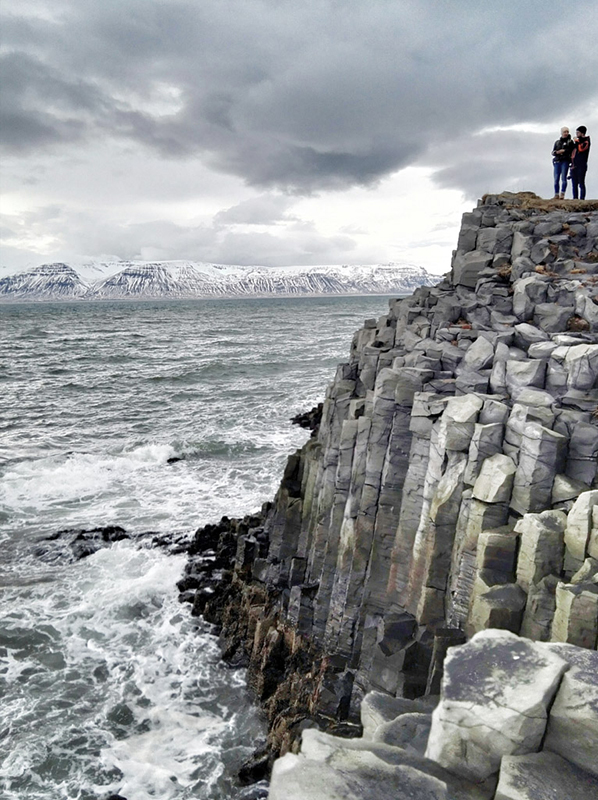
582	129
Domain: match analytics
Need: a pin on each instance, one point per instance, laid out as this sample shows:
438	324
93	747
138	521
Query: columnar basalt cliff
450	486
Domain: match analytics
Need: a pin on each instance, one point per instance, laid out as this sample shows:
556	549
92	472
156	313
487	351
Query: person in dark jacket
561	159
579	162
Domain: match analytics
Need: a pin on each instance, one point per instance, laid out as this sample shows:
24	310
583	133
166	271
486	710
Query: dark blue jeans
578	181
561	168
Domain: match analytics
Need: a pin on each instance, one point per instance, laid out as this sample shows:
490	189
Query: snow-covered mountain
48	282
121	280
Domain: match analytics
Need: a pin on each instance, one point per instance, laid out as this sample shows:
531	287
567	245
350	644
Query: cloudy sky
279	132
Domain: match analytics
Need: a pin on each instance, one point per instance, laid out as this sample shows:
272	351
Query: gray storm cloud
294	96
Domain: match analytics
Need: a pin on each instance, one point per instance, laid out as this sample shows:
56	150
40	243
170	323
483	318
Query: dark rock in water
74	544
115	797
256	767
254	792
309	419
86	543
173	459
174	543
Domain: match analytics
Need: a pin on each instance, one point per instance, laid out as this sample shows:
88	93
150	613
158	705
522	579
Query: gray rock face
471	729
451	486
572	730
542	776
542	546
330	768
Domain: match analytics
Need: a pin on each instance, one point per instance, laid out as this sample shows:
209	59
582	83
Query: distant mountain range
126	280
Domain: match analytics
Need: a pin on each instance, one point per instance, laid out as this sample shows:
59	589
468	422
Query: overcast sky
280	132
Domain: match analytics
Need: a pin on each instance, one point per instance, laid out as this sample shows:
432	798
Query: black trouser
578	181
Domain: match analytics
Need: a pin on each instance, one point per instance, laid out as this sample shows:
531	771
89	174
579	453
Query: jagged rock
552	318
467	267
566	488
379	708
409	731
542	546
582	458
496	554
537	398
480	355
576	614
495	481
526	335
543	776
527	293
496	692
572	730
329	768
459	420
579	528
539	610
486	442
587	572
522	374
582	365
541	458
498	606
395	522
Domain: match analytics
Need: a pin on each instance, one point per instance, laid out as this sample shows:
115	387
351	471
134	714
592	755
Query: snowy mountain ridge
120	280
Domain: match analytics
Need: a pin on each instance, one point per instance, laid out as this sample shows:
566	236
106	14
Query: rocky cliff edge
449	487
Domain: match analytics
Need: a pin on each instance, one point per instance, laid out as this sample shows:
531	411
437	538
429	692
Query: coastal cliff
449	487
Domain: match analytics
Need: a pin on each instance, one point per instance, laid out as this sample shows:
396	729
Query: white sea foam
109	684
122	645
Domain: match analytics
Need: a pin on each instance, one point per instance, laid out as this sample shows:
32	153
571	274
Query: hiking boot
556	197
562	196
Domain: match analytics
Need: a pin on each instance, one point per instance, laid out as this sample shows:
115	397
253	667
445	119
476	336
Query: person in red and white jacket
579	162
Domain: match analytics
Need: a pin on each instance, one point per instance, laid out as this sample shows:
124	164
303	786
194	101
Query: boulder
578	530
522	374
542	546
499	606
566	488
572	730
539	610
379	708
331	768
486	441
527	293
468	266
552	318
480	355
495	481
543	776
576	615
496	692
409	731
542	456
581	362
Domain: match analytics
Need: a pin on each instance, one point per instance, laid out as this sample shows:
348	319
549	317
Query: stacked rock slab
516	720
451	485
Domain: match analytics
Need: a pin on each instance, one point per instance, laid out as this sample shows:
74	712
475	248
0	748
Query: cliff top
529	200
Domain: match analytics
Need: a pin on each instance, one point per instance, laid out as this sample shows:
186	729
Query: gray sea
155	416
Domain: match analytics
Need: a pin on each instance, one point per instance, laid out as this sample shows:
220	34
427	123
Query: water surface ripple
154	416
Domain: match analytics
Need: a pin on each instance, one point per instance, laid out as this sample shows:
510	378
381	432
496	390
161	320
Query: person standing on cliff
561	159
579	162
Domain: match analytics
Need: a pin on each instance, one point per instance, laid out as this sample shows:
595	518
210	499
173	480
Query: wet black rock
309	419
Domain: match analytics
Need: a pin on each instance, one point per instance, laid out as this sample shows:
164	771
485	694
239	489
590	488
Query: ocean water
157	417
